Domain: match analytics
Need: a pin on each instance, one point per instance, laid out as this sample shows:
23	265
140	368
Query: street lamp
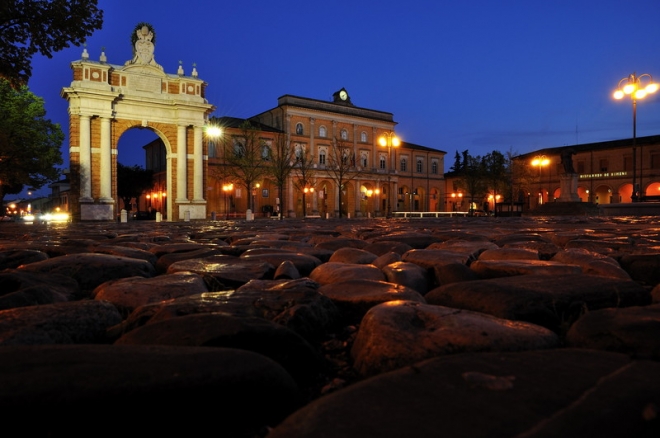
540	161
305	191
454	200
389	140
226	188
632	86
368	194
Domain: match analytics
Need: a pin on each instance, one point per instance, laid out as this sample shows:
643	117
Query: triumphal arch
106	100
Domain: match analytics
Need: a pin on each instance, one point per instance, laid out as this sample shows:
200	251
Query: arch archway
106	100
603	194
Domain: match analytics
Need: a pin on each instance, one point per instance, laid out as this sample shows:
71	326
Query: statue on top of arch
144	40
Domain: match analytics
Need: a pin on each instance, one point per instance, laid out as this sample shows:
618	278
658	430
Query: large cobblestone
259	286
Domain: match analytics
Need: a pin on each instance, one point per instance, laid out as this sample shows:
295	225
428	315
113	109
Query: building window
420	166
382	162
434	167
299	151
364	160
603	165
655	161
322	157
404	164
299	129
344	157
627	163
239	149
266	152
579	166
344	134
323	132
363	137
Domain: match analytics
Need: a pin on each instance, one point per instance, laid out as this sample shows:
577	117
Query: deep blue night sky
477	75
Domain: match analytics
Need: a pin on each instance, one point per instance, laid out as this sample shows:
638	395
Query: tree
303	169
473	177
457	163
29	143
342	167
280	165
245	157
132	181
44	26
497	174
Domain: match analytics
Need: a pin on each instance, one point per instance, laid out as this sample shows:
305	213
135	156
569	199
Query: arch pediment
142	69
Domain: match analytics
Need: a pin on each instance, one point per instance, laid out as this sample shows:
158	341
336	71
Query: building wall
362	128
605	171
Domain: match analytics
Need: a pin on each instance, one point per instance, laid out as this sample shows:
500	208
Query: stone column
198	165
358	199
181	164
395	196
106	162
289	201
312	146
85	160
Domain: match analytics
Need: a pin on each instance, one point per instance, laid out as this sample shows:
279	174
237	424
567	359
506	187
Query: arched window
420	165
364	160
299	128
363	137
434	167
344	134
322	157
323	132
382	162
404	164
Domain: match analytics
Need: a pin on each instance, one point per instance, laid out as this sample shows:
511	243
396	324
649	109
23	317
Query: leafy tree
457	163
29	143
343	166
44	26
132	181
473	177
496	172
280	165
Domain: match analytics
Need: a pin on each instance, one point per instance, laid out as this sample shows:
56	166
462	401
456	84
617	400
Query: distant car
479	213
141	215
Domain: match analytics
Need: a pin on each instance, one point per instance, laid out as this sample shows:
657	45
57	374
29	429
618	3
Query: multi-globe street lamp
389	140
306	189
633	87
540	161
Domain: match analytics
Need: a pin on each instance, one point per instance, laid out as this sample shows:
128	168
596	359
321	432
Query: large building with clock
341	143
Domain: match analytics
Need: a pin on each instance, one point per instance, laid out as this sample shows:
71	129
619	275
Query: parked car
479	213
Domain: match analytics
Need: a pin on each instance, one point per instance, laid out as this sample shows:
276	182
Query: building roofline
596	146
339	108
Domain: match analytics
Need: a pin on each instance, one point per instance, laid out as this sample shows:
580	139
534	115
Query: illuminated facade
412	175
605	171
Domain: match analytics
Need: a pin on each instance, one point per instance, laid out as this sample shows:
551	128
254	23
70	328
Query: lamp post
367	194
389	140
305	191
226	188
540	161
632	86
